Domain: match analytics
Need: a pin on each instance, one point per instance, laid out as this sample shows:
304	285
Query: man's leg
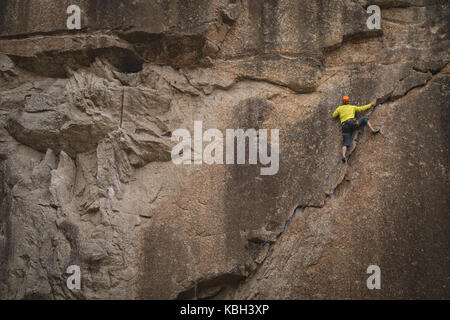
364	121
346	142
371	128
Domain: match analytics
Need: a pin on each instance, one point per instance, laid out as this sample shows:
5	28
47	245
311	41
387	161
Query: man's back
347	111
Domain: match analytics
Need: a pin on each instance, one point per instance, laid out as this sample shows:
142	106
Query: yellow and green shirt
347	112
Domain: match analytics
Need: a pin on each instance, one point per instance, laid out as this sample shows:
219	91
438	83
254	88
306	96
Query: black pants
348	130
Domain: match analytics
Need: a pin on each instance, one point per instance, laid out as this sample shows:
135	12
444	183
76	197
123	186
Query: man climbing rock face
346	114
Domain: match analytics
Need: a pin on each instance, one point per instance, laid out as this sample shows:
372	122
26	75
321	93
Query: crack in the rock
343	180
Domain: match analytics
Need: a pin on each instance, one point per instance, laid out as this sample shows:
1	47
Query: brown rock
86	119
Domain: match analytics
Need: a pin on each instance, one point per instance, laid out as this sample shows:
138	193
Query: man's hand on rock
374	103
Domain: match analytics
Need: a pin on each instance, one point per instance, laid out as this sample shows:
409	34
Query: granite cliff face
86	118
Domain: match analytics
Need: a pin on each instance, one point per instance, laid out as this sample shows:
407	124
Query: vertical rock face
86	119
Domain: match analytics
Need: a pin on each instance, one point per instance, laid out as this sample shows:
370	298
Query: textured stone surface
76	188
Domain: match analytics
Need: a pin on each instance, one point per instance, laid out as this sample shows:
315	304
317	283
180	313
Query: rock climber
346	114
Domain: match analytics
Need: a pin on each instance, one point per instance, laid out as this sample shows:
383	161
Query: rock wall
86	118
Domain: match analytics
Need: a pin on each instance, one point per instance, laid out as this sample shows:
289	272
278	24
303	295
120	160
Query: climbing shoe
376	131
344	160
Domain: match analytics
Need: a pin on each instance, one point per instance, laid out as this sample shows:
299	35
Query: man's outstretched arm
367	106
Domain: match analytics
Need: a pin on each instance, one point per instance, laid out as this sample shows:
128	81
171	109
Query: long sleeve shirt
347	111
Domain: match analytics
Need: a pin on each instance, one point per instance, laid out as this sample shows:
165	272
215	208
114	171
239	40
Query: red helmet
345	99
